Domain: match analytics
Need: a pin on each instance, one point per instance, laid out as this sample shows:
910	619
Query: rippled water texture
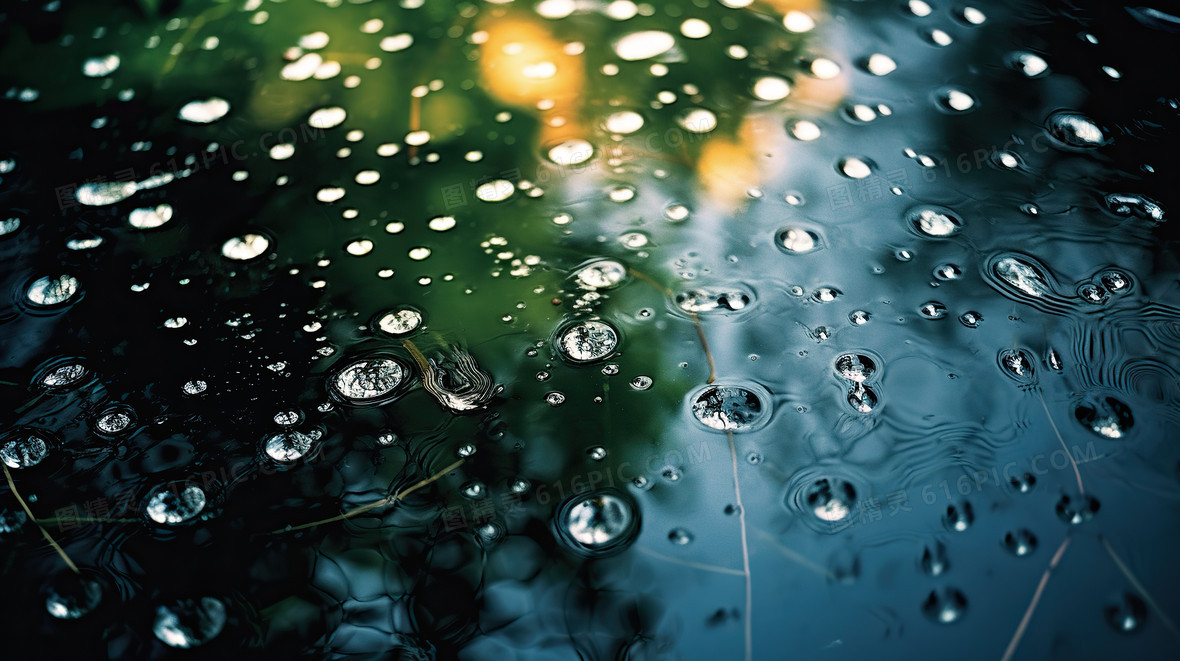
706	329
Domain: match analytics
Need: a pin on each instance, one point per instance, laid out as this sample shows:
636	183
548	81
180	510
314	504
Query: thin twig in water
795	556
29	512
1032	606
689	563
1072	462
737	495
375	504
696	320
1140	589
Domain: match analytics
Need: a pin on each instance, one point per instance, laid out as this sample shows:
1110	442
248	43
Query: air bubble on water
798	241
495	191
642	382
948	272
97	67
1075	510
728	408
934	221
52	290
400	321
859	317
862	398
830	499
697	120
71	596
932	310
825	294
934	559
573	151
286	418
172	504
114	422
600	274
1125	205
587	341
1023	483
189	623
194	387
597	453
855	167
805	130
245	247
1016	364
623	122
958	516
1029	64
474	490
1023	276
368	379
1127	614
679	536
643	45
970	319
25	451
597	523
1020	542
204	111
945	605
554	398
1006	159
713	300
1092	293
634	240
1074	130
9	226
856	368
150	218
64	375
1106	416
771	88
879	64
1115	281
326	118
290	445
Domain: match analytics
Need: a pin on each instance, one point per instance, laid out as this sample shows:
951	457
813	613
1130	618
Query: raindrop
587	341
728	408
97	67
600	274
805	130
25	451
150	218
642	382
1029	64
597	523
495	191
172	504
571	152
799	241
945	606
1115	281
1106	417
879	64
554	398
326	118
854	167
862	398
771	88
369	379
958	516
1126	615
98	194
1074	130
934	221
954	100
857	368
194	387
597	453
71	596
643	45
288	446
1016	364
204	112
970	319
1076	510
400	321
245	247
830	500
932	310
934	559
1020	542
680	536
1134	205
624	122
114	422
64	375
189	623
52	290
697	120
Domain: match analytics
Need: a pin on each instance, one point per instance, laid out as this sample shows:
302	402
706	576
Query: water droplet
854	367
643	45
642	382
859	317
204	111
245	247
855	167
63	375
71	596
932	310
400	321
496	191
97	67
189	622
288	446
730	408
799	241
934	559
1139	206
597	523
1023	276
945	606
934	221
571	152
624	122
679	536
326	118
958	516
369	379
150	218
1073	130
52	290
587	341
359	247
825	294
862	398
172	504
830	500
697	120
710	300
114	422
879	64
600	274
771	88
1029	64
1077	509
1016	364
26	450
194	387
956	100
1092	293
797	22
1127	614
1020	542
1115	281
970	319
554	398
1106	417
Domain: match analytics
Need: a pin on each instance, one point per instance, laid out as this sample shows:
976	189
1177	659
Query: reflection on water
560	329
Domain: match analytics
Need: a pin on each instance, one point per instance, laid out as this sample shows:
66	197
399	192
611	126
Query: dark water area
589	330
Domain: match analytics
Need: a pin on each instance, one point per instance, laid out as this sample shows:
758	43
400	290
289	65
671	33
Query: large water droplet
934	221
946	606
172	504
368	379
587	341
1020	542
71	596
245	247
597	523
571	152
600	274
732	408
400	321
1106	417
52	290
1077	509
290	445
204	111
1074	130
25	450
644	45
189	622
1128	614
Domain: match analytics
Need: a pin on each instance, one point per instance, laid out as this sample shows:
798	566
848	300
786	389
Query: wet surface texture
552	330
